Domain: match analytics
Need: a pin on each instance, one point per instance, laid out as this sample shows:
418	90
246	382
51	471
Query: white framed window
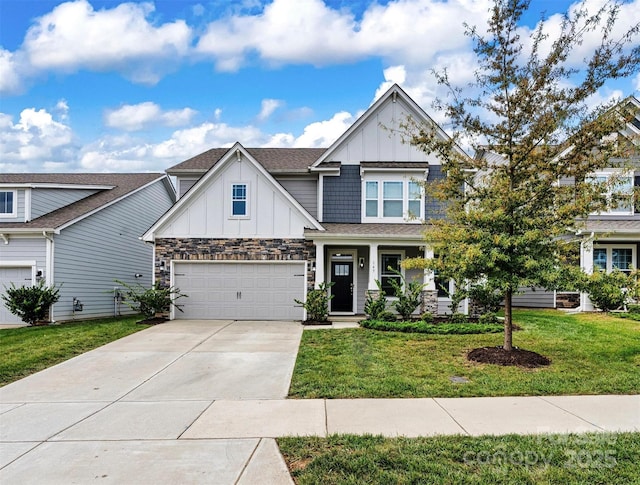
239	200
392	198
390	266
616	256
8	203
622	190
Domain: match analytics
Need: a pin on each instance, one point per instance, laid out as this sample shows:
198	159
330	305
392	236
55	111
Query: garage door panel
240	291
19	276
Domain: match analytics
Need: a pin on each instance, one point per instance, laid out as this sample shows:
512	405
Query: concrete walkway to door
119	413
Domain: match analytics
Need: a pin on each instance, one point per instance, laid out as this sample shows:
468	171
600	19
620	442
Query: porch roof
613	226
400	232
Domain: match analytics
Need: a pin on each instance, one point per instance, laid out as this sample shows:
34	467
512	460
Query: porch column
429	277
319	263
586	261
373	266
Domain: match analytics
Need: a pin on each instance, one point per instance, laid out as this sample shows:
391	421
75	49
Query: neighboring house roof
367	231
122	185
274	160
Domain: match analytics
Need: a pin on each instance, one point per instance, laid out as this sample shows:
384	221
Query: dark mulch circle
153	321
316	322
499	356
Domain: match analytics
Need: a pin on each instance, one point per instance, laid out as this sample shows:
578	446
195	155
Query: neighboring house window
239	200
389	269
622	190
389	199
609	258
8	206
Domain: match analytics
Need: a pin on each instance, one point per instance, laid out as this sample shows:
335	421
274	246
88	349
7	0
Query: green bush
317	304
608	291
429	328
151	301
635	309
31	303
487	318
375	307
427	317
458	318
408	294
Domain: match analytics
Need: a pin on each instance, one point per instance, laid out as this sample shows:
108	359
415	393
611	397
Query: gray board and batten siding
92	253
44	201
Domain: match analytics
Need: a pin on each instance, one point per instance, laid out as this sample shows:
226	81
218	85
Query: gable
206	211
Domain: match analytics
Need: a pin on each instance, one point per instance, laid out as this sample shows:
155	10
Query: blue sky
105	85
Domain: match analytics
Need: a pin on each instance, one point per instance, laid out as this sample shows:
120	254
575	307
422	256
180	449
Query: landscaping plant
151	301
31	303
317	303
376	308
609	291
408	294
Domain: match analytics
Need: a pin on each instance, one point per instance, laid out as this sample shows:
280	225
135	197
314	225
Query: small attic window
239	200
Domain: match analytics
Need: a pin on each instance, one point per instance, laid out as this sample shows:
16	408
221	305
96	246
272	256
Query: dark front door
342	277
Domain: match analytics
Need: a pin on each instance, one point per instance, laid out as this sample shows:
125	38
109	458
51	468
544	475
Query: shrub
427	317
458	318
408	294
31	303
635	309
317	304
430	328
608	291
488	318
374	307
486	296
151	301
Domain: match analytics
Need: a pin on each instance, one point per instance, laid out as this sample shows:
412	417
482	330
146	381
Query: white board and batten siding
207	213
378	139
240	290
92	253
19	261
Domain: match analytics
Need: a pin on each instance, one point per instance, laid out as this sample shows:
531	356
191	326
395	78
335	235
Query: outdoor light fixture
361	263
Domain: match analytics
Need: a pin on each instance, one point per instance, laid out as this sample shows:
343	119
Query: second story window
239	200
392	199
8	203
619	190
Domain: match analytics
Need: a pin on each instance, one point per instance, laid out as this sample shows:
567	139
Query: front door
342	277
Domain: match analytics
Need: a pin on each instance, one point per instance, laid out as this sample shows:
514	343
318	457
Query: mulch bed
316	322
499	356
153	321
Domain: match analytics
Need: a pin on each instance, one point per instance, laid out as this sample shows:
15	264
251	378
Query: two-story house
255	228
80	232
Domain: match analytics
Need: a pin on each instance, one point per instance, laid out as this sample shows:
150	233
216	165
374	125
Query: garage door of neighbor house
240	291
18	276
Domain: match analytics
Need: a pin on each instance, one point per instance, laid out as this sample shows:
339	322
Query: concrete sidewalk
200	402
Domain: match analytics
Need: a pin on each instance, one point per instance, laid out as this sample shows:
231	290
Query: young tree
527	117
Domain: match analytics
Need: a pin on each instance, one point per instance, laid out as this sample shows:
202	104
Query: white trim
17	264
380	179
247	200
51	185
14	202
27	204
115	201
609	247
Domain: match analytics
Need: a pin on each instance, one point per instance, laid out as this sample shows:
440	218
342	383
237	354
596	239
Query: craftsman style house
80	232
255	228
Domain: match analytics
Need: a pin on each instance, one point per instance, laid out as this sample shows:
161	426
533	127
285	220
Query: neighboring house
255	228
80	231
610	240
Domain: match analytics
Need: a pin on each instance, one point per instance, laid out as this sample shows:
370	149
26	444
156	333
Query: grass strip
432	328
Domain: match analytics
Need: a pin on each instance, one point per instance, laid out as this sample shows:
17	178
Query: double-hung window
618	191
390	270
8	205
239	203
392	199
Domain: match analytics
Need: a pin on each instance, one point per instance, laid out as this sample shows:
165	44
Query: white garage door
240	291
20	277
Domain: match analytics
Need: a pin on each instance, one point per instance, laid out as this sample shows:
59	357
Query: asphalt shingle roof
403	231
122	183
272	159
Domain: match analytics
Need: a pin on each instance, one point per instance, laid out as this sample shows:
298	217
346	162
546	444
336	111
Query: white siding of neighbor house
208	212
305	191
44	201
535	299
92	253
184	184
378	139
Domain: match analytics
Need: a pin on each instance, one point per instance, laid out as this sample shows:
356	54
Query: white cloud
75	36
139	116
323	133
35	139
10	79
268	107
637	83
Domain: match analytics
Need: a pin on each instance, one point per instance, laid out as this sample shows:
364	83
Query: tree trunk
508	326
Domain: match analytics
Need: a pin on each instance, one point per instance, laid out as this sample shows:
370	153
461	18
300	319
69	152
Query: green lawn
566	459
590	353
26	350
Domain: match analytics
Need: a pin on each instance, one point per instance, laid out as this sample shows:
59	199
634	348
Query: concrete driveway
119	413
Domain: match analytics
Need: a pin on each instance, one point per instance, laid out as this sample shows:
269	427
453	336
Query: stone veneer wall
205	249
